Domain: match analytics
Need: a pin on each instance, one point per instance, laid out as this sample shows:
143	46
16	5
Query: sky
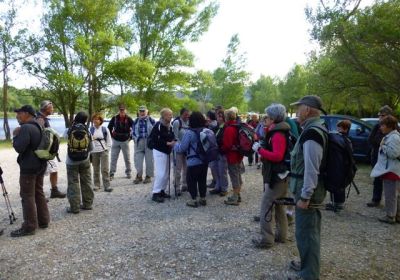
274	35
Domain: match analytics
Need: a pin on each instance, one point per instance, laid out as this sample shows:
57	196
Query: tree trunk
6	126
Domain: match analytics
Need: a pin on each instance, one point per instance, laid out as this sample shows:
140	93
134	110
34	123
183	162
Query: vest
297	165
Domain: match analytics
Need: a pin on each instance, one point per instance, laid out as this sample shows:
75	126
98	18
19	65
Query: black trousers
196	178
378	189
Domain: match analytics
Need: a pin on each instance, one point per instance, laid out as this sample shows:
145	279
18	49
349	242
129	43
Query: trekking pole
286	201
355	187
10	211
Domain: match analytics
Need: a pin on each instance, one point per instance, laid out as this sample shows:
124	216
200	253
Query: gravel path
127	236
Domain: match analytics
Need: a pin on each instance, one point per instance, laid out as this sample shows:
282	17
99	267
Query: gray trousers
116	147
180	170
392	198
276	216
100	163
219	169
79	183
143	153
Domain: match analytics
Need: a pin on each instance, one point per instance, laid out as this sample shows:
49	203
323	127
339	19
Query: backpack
49	143
339	168
207	147
246	137
180	122
78	142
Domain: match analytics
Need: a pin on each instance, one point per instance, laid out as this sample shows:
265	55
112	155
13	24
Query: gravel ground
127	236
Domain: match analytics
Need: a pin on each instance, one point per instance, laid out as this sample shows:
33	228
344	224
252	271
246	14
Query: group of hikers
291	155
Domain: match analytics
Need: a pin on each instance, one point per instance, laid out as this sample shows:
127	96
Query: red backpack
246	137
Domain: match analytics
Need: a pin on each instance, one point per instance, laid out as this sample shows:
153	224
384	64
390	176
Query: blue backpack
207	147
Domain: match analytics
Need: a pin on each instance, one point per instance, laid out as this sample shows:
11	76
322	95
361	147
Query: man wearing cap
26	139
374	140
141	129
306	159
120	127
46	109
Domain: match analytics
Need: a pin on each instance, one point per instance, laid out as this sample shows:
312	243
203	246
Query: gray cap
45	104
142	108
385	110
310	100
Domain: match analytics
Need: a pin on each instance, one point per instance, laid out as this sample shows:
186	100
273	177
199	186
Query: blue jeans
308	238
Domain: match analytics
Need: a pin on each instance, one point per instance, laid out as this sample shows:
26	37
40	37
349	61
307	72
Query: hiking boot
55	193
290	219
232	200
111	177
184	189
85	207
373	204
387	219
258	165
138	180
202	201
222	193
43	226
398	219
250	164
164	194
73	211
260	244
147	180
95	189
128	176
239	198
1	231
215	191
109	189
21	232
295	265
157	197
256	218
192	203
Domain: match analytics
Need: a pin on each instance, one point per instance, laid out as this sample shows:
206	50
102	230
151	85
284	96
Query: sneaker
261	245
147	180
109	189
69	210
85	207
232	200
192	203
164	194
55	193
222	193
295	265
202	201
256	218
157	197
21	232
138	180
387	219
373	204
215	191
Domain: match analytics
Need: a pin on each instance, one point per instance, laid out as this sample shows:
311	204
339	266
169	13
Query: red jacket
277	154
230	141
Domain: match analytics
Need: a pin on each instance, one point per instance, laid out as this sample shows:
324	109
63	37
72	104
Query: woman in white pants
161	141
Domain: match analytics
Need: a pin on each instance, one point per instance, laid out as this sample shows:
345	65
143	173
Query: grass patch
5	144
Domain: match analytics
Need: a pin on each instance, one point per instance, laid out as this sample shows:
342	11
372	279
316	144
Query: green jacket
298	177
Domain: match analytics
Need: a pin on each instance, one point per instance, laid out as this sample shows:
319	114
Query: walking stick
10	211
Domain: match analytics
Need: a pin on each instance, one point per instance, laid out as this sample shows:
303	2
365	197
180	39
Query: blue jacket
188	145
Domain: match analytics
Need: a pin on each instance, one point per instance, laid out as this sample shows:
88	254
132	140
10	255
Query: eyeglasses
381	115
122	109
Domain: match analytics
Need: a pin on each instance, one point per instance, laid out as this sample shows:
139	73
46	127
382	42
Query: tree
203	83
160	29
16	45
231	78
262	93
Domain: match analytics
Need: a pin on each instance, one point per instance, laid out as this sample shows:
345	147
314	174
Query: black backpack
79	140
339	168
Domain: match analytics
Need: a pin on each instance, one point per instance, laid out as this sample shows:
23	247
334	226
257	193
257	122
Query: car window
356	129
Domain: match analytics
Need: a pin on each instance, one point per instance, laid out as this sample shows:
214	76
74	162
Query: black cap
310	100
27	109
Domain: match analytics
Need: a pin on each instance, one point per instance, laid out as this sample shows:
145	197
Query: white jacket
388	156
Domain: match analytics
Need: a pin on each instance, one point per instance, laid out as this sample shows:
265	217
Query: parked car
358	134
371	121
